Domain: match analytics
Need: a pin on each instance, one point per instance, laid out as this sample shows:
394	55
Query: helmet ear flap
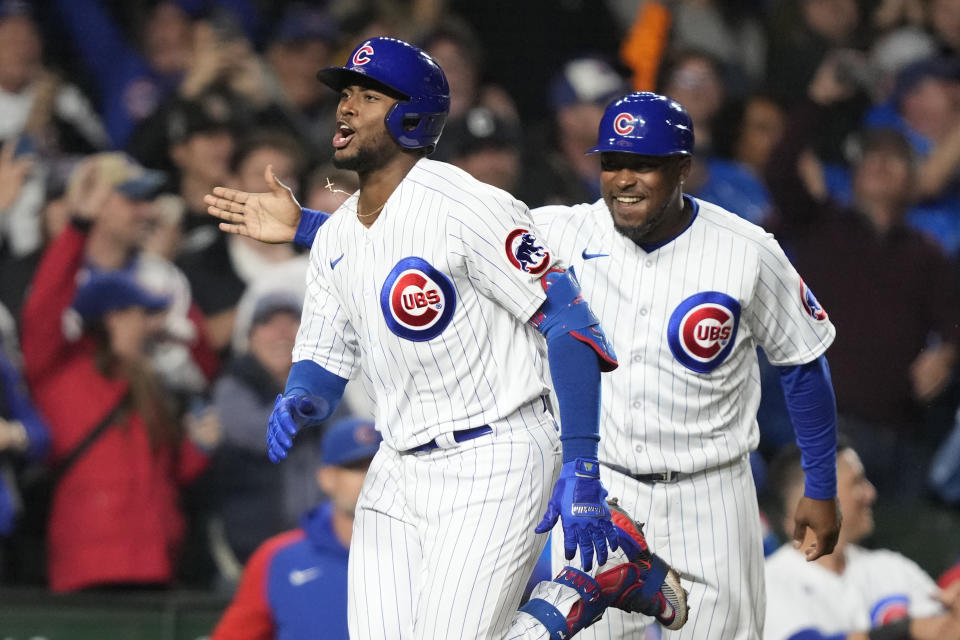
412	128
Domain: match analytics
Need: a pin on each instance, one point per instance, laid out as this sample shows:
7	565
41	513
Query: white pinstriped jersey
431	302
876	587
684	319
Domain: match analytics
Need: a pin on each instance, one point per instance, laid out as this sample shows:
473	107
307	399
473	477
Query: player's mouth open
342	136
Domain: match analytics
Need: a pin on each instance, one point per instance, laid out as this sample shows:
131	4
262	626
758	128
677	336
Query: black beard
367	158
639	233
363	161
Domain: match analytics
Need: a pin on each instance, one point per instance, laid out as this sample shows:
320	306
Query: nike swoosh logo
333	263
298	578
591	256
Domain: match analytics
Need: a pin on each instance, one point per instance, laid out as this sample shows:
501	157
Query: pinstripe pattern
659	415
454	528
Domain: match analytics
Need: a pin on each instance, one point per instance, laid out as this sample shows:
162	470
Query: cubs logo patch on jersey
703	330
526	253
417	300
810	303
890	609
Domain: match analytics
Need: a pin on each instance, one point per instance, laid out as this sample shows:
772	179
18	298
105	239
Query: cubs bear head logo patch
526	253
703	329
417	300
810	303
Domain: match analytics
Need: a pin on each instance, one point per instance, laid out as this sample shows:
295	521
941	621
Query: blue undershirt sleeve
812	406
308	378
310	223
575	370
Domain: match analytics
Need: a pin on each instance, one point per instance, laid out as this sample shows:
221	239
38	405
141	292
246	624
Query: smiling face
644	193
361	141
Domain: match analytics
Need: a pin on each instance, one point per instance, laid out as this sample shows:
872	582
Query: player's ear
684	165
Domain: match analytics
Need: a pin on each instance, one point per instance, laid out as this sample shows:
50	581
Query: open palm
269	217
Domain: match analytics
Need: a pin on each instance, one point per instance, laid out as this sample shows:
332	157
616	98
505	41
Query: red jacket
115	516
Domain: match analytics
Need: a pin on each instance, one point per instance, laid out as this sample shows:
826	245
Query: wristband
899	630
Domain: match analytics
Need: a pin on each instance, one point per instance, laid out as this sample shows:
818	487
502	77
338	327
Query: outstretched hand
270	217
823	518
579	501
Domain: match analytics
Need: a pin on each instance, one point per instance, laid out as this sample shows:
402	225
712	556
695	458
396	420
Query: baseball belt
458	436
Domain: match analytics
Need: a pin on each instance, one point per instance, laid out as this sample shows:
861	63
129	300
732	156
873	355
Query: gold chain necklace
361	216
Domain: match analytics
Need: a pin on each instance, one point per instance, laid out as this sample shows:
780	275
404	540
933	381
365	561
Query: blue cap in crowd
302	22
107	291
349	440
937	67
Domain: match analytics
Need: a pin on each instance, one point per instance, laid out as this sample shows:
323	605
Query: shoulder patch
526	253
890	609
417	300
703	329
810	303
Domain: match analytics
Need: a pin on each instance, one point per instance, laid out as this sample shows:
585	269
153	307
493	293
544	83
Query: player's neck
378	185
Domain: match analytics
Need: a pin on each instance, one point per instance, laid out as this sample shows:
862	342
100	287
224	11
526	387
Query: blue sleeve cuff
575	370
812	406
308	378
310	223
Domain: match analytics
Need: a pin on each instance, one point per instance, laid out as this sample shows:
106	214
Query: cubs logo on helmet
526	253
810	303
890	609
362	55
624	123
417	300
703	329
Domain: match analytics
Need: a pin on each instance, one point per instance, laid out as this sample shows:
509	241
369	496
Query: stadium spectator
487	146
256	498
727	30
454	45
124	195
854	593
291	573
560	172
887	289
130	84
696	80
220	267
303	41
23	437
745	133
115	518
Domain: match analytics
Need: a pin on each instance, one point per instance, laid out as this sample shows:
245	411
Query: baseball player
873	594
435	287
688	291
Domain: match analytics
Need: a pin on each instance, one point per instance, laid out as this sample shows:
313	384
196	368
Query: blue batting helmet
417	120
647	124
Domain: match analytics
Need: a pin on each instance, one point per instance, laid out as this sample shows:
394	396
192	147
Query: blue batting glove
579	501
290	414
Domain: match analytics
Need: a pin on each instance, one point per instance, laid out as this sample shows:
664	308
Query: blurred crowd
141	348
